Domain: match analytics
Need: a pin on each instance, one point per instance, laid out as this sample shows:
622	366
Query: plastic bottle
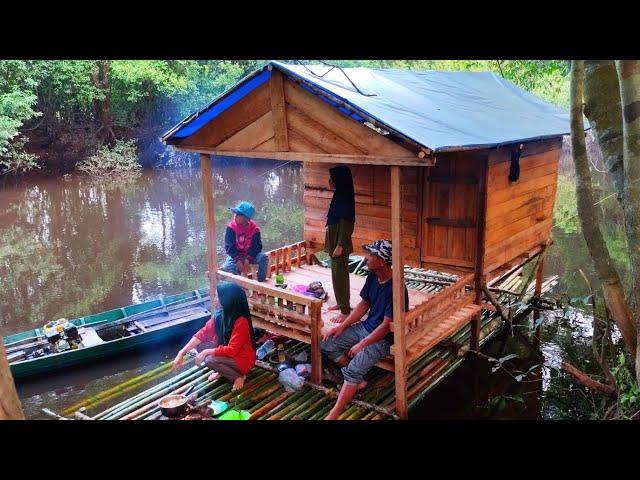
281	355
265	349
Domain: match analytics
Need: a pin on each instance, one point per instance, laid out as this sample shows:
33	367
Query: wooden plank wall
373	206
520	214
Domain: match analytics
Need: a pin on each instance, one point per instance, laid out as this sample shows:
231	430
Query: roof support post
480	278
400	355
210	224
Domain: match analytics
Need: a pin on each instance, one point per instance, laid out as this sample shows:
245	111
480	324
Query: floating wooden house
458	169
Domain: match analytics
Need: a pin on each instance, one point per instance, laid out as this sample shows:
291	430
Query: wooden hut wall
373	206
520	213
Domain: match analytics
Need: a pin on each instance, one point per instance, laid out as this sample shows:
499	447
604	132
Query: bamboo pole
212	389
313	399
119	389
143	394
316	407
272	396
135	410
265	409
147	392
10	406
399	330
533	272
294	405
169	389
210	223
53	414
293	398
259	377
495	303
259	395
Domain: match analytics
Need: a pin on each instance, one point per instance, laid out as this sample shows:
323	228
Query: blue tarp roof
435	109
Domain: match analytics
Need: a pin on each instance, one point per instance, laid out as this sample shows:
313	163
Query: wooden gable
280	116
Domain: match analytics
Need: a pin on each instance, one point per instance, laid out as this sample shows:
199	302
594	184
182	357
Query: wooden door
450	210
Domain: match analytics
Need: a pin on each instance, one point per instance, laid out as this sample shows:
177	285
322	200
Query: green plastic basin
235	415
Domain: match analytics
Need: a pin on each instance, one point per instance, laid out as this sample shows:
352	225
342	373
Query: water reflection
74	247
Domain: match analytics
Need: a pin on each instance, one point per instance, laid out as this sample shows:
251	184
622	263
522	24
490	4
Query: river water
70	246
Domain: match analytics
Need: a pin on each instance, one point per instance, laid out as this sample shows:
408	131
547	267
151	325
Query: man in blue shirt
357	346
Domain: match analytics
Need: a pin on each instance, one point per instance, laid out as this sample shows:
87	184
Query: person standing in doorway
339	228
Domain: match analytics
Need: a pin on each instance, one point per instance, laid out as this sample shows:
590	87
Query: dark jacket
343	203
242	242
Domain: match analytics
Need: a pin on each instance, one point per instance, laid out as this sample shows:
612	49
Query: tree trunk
589	221
10	407
629	75
104	84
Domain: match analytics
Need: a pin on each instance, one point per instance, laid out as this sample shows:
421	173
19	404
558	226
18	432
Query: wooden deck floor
306	274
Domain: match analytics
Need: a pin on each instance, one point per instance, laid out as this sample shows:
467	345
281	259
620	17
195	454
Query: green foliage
15	159
565	213
16	107
278	221
500	402
66	90
121	160
628	389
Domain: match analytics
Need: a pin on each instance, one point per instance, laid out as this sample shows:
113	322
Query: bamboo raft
266	399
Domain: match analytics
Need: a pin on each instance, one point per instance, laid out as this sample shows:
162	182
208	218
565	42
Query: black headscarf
343	202
234	304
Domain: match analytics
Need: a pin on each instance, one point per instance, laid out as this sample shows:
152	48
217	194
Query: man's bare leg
346	394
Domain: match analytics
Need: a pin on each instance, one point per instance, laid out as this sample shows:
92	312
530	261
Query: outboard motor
62	335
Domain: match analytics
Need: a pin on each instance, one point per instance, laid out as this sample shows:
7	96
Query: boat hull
145	339
62	360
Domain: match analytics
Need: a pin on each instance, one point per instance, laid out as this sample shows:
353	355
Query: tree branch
587	381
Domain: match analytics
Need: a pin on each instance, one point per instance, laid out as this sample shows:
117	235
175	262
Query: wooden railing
284	312
420	318
282	259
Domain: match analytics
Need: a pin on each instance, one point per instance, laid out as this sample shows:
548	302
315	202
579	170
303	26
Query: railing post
316	354
399	329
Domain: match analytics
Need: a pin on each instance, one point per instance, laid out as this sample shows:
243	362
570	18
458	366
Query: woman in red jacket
226	343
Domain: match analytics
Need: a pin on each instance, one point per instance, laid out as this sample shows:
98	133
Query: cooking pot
174	405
